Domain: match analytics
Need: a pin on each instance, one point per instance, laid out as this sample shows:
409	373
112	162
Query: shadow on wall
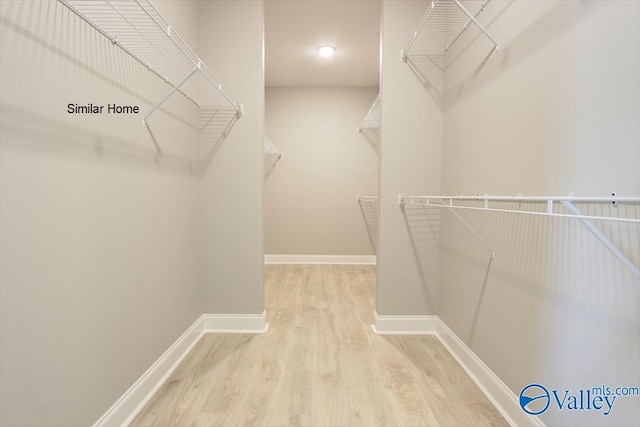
444	35
555	300
369	210
65	74
24	130
561	17
423	227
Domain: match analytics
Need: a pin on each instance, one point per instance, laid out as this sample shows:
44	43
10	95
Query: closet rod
568	202
447	201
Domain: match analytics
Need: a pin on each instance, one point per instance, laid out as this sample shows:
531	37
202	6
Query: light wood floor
319	364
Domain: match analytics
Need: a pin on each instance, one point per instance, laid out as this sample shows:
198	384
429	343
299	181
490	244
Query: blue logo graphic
534	399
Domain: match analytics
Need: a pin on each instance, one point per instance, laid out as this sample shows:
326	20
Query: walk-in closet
319	213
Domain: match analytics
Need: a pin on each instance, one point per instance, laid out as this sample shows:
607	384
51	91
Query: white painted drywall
410	142
555	111
231	34
99	236
310	203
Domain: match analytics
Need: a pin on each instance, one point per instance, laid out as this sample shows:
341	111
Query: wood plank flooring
319	364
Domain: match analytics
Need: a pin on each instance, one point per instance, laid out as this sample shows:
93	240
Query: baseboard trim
133	400
320	259
496	391
403	325
235	323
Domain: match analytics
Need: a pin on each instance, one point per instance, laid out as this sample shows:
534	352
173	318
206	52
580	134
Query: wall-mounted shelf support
482	204
473	19
603	239
441	26
408	200
271	156
369	209
429	50
167	96
370	126
139	29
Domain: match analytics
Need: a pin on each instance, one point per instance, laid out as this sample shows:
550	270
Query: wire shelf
441	26
271	157
551	206
371	124
139	29
369	209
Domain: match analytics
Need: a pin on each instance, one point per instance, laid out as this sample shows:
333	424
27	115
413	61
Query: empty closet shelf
551	206
139	29
443	24
271	156
371	124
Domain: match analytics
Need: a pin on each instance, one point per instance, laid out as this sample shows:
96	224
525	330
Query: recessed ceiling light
326	51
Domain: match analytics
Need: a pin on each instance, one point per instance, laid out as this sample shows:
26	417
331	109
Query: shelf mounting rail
449	202
141	31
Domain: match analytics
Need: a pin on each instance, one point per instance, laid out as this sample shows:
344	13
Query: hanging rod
143	33
448	201
566	201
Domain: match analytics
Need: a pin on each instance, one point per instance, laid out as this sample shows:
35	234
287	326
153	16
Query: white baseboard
404	325
496	391
133	400
320	259
235	323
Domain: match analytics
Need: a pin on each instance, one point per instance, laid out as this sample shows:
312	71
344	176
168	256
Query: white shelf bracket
478	24
168	95
451	207
603	239
470	228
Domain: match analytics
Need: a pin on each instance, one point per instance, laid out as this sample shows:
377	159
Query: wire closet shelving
140	30
271	157
369	209
441	26
371	124
551	205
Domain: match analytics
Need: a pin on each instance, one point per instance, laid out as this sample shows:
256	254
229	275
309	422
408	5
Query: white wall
310	203
410	142
231	34
555	111
99	236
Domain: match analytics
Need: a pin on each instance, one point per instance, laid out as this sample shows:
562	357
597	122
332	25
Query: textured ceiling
294	29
